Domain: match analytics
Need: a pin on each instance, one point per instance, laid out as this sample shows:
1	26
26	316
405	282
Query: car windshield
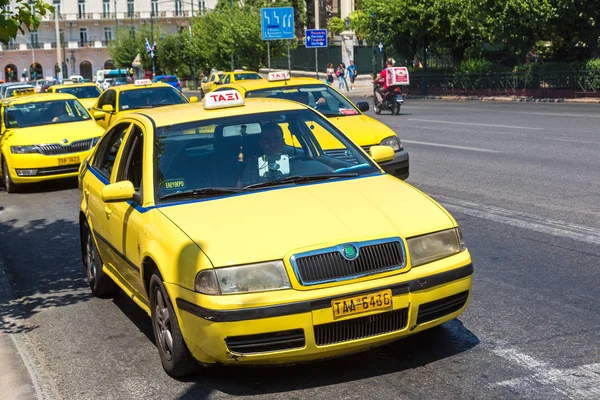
22	89
242	77
244	153
43	113
321	97
82	92
167	79
150	97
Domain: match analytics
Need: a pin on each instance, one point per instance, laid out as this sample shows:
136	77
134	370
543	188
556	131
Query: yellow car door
126	218
102	172
106	108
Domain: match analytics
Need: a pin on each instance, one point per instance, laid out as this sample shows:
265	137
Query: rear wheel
176	359
396	109
9	185
101	284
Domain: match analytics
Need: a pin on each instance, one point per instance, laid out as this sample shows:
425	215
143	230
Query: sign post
316	38
276	23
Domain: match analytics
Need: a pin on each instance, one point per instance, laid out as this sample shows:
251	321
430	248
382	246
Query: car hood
363	130
267	225
88	103
53	133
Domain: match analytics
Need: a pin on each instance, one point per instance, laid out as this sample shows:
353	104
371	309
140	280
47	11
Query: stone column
347	46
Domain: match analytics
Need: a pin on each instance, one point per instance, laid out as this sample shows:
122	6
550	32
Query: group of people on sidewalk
342	72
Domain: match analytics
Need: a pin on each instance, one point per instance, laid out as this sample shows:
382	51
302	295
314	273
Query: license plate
364	303
399	98
68	160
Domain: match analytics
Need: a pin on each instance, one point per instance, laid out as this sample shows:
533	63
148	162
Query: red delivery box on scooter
397	76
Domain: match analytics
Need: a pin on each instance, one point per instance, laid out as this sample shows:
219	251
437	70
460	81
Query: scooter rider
382	86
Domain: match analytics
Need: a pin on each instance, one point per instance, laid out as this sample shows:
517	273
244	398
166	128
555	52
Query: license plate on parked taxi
363	303
68	160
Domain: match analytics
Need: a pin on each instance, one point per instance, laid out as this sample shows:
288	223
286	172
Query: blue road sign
380	47
277	23
316	38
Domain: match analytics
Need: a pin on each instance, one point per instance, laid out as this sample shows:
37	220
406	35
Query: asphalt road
522	180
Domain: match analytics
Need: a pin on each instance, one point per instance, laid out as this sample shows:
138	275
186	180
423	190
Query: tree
24	14
125	48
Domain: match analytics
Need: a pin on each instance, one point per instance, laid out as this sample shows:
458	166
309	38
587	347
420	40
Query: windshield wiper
299	179
204	192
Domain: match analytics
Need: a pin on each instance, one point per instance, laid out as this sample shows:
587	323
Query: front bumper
305	330
46	167
399	166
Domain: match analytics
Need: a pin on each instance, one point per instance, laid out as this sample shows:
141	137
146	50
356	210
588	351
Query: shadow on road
49	186
416	351
47	271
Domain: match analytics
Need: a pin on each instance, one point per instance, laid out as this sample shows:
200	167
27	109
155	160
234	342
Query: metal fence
532	84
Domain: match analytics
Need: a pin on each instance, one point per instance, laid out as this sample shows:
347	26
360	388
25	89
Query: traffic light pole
152	38
58	45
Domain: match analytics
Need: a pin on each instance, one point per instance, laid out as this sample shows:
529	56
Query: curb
590	100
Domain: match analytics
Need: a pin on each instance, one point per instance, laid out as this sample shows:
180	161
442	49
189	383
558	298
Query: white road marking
561	114
474	124
522	220
581	382
451	146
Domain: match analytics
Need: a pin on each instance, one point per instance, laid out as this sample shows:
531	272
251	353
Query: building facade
85	29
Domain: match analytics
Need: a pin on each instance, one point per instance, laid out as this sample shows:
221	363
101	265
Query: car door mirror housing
194	99
381	154
362	106
98	115
117	192
108	108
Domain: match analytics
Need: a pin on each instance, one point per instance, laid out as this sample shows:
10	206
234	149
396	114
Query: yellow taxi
211	83
44	136
87	93
141	94
364	130
246	250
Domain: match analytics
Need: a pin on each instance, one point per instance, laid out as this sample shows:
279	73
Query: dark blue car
169	79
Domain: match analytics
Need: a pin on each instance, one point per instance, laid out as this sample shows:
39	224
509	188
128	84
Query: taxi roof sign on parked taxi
223	99
142	82
24	92
278	76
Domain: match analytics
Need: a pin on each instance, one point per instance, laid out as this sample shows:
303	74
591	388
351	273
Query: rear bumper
399	166
306	330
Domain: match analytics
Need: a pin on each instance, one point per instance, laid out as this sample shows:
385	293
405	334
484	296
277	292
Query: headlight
24	149
393	142
259	277
434	246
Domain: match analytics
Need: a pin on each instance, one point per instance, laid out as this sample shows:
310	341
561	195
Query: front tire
9	185
176	359
376	108
102	285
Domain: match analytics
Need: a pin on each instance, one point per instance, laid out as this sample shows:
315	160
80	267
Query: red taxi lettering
218	97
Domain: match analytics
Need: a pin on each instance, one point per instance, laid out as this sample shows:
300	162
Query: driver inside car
271	142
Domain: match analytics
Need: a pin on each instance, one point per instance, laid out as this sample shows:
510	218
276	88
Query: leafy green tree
578	21
336	25
24	14
125	48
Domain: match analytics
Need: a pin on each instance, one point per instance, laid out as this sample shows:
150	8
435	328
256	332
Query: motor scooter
390	100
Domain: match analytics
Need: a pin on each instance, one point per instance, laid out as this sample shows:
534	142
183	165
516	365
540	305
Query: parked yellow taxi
44	136
143	93
246	250
211	82
362	129
87	93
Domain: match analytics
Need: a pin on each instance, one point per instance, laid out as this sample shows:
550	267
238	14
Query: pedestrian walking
341	74
352	73
329	72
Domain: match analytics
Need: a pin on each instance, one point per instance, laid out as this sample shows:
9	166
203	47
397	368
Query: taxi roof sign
278	76
223	99
142	82
24	92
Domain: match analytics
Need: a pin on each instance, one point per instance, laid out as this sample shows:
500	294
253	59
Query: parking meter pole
317	62
269	55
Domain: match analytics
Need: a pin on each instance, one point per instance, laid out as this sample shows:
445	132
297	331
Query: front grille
75	147
329	264
439	308
363	327
57	170
273	341
366	149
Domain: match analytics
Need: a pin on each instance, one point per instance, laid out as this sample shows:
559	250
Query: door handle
86	192
107	211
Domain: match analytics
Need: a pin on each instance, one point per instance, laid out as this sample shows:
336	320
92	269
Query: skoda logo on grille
65	141
349	154
350	252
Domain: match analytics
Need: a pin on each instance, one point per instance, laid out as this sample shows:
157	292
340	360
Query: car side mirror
108	108
117	192
362	106
194	99
98	115
381	154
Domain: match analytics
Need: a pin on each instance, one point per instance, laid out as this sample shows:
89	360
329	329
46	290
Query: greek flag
148	48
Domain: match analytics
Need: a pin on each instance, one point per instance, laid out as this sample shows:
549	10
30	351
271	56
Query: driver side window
131	167
108	148
108	98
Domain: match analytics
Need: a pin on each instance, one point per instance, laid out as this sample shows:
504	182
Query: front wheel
176	359
9	185
376	108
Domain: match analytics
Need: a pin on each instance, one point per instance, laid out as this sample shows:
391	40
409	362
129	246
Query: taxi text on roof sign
278	76
226	98
142	82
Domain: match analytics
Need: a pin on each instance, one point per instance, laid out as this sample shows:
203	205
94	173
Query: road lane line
474	124
561	114
522	220
451	146
580	382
